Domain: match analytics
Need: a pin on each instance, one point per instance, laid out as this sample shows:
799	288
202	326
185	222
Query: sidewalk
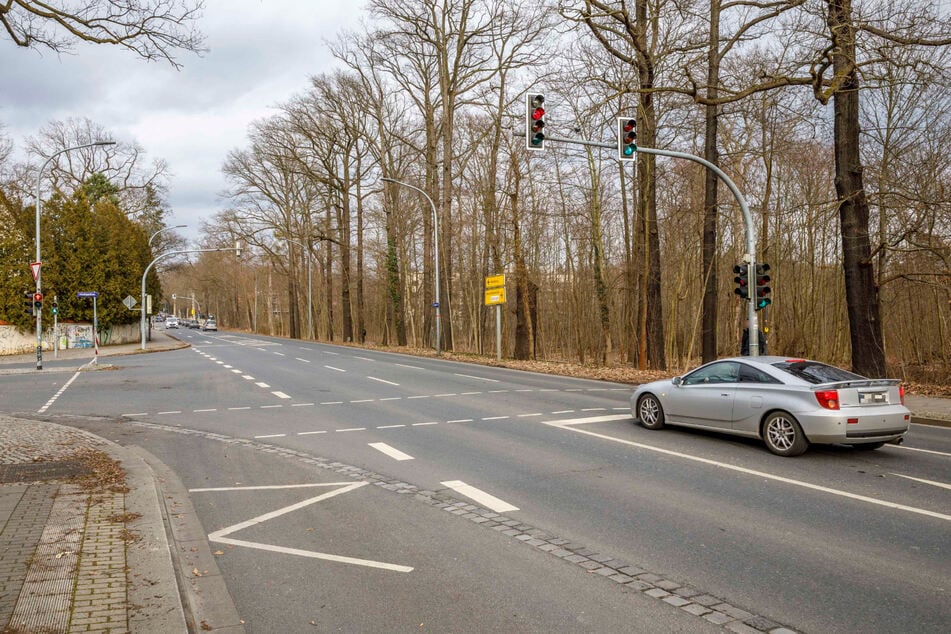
96	537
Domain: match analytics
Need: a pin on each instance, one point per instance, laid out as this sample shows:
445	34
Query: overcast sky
262	52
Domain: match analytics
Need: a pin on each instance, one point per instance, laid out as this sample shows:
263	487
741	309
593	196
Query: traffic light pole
747	218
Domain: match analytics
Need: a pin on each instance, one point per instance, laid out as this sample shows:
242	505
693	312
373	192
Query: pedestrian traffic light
626	139
762	286
55	308
28	295
535	122
742	280
37	301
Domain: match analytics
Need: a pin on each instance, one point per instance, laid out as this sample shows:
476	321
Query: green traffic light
629	150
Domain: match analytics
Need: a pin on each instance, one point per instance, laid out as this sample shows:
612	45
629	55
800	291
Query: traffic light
37	301
55	308
742	280
28	295
626	139
535	122
762	286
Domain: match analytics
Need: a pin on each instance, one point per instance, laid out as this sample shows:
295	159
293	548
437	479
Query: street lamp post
151	237
435	246
236	248
39	274
310	286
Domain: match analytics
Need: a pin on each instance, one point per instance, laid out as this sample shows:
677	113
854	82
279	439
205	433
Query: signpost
95	321
495	296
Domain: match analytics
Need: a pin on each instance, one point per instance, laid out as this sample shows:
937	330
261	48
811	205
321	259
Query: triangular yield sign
36	269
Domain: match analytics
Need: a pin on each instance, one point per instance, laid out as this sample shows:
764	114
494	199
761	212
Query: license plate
871	397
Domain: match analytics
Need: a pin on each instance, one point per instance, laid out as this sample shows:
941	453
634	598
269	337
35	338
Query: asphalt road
833	541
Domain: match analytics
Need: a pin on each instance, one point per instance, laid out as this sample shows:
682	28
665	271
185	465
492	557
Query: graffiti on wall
79	336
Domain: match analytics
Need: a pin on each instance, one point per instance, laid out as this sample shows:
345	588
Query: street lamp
39	279
310	286
236	248
436	246
164	229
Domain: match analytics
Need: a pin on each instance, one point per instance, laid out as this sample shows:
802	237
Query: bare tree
152	29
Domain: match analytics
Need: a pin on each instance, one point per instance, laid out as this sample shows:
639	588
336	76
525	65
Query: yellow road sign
494	281
495	296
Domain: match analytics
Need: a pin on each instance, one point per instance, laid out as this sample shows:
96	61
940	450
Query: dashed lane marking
373	378
302	360
485	499
58	394
280	394
330	367
392	452
262	384
478	378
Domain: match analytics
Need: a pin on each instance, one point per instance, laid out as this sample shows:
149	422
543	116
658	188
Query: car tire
783	435
869	446
650	412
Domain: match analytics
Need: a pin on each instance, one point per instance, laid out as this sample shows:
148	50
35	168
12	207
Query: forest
409	164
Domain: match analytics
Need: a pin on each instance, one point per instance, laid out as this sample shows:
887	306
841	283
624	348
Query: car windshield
815	372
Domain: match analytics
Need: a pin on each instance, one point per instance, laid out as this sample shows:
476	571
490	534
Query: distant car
788	403
210	324
171	322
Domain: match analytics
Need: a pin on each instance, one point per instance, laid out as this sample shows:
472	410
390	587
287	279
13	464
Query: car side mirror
677	380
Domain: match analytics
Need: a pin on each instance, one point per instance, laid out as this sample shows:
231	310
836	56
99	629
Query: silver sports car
789	403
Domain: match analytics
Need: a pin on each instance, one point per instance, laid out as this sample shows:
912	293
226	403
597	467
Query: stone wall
71	335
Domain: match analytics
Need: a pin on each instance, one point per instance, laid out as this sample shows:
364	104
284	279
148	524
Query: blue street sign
87	294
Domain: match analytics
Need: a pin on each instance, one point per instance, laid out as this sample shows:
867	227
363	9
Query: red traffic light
37	297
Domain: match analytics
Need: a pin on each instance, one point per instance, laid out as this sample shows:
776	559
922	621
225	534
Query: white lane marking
364	358
302	404
931	451
373	378
364	400
569	426
58	394
392	398
594	409
221	536
174	411
336	354
309	433
478	378
351	429
565	411
279	394
392	452
411	367
498	391
426	424
237	371
330	367
468	393
200	411
943	485
272	436
237	408
390	426
421	396
485	499
460	420
439	395
332	403
270	406
525	390
228	367
621	409
137	414
530	415
302	360
496	417
262	384
248	377
280	354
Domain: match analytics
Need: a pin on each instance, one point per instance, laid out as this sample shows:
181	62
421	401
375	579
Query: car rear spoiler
863	383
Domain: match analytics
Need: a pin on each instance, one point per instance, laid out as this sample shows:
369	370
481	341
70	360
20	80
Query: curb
205	598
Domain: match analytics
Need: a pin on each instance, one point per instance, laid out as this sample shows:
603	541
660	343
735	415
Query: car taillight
829	399
901	393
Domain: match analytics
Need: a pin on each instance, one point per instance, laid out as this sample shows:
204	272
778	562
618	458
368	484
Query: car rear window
815	372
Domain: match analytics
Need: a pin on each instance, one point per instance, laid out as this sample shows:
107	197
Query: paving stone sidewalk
75	558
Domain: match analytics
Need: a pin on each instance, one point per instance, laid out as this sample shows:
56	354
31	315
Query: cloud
261	53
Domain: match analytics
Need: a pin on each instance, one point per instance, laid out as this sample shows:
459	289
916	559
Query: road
339	484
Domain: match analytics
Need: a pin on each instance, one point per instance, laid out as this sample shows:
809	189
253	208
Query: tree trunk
861	292
708	327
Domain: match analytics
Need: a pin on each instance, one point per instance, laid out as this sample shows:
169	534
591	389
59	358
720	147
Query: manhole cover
37	471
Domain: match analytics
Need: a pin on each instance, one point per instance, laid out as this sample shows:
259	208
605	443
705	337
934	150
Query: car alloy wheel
783	435
650	412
